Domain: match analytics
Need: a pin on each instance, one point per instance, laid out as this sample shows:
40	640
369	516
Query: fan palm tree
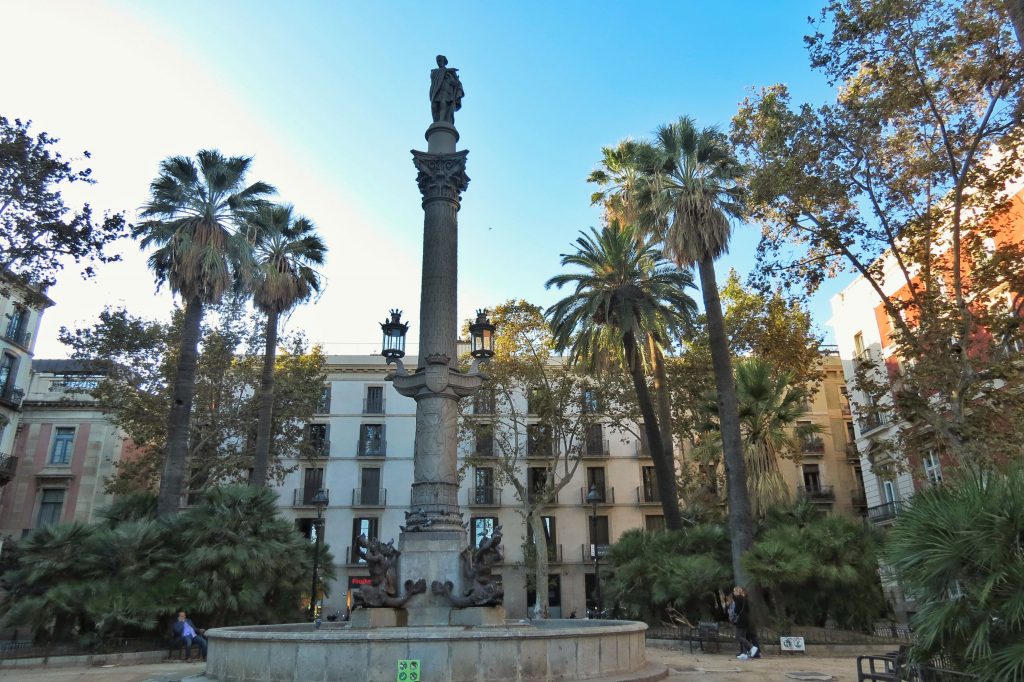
692	196
626	294
287	251
769	411
192	219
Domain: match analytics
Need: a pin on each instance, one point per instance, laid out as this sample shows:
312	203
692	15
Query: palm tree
626	294
287	252
692	194
769	411
192	218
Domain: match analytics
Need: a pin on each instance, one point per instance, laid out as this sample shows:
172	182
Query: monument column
433	536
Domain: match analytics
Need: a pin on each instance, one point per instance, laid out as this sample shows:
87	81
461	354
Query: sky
330	97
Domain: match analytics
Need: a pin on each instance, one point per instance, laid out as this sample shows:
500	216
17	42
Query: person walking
746	632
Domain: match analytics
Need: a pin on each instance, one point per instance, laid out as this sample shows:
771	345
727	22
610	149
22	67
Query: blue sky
330	98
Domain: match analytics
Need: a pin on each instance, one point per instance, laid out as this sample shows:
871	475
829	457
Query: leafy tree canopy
39	233
137	393
903	180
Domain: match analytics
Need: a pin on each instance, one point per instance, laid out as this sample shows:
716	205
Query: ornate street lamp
321	499
393	344
481	334
593	497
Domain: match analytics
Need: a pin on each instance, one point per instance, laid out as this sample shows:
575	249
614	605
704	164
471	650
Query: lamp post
321	499
593	497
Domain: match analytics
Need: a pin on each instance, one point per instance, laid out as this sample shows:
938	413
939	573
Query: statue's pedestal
431	555
441	138
379	618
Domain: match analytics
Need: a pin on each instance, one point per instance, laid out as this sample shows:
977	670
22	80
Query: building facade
365	433
65	448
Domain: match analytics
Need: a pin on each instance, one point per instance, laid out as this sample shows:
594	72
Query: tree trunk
261	456
740	524
172	478
664	402
540	568
1015	10
664	469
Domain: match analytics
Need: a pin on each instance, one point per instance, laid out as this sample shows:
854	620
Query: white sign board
792	644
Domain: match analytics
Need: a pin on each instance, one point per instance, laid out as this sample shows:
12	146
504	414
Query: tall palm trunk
663	468
661	392
172	479
261	457
740	524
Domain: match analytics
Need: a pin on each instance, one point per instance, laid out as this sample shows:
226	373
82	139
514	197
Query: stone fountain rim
547	629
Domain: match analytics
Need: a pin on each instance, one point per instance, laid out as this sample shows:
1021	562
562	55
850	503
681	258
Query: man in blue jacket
188	633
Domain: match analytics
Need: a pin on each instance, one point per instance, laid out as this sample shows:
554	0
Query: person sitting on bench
188	634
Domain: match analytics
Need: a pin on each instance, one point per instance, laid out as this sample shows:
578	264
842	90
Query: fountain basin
525	651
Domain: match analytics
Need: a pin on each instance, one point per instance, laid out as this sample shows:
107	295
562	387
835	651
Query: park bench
885	668
706	636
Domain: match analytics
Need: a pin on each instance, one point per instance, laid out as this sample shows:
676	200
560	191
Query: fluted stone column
433	536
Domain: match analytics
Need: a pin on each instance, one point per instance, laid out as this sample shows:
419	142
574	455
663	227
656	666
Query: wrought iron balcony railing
645	495
816	493
369	497
607	495
372	448
884	513
485	496
303	497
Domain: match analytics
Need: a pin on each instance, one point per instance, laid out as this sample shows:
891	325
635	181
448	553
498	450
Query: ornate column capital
441	176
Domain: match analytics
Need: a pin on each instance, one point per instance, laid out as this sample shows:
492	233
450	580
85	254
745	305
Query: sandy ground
683	667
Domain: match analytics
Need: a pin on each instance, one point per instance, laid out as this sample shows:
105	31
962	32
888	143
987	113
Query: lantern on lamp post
481	337
393	343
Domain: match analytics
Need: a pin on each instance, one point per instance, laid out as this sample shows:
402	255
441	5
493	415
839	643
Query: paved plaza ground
683	667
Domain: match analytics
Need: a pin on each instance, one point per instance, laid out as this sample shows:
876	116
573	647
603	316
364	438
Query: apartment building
65	449
21	309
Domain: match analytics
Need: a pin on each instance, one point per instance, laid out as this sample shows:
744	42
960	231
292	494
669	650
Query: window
812	478
643	447
538	440
50	505
481	527
374	401
550	538
590	403
323	403
6	371
554	592
810	443
888	492
63	444
483	402
844	400
858	346
369	486
362	525
650	484
851	436
932	467
318	439
312	481
371	440
597	527
534	400
654	523
484	440
536	481
595	479
483	491
595	440
17	325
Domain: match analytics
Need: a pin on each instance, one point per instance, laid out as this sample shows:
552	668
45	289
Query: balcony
12	396
852	453
813	447
595	448
884	513
533	495
486	496
819	494
303	497
858	501
19	337
371	448
8	465
539	449
555	554
320	448
640	448
590	551
373	405
607	495
647	495
369	497
872	421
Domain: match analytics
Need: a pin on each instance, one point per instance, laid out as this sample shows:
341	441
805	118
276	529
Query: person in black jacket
746	632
